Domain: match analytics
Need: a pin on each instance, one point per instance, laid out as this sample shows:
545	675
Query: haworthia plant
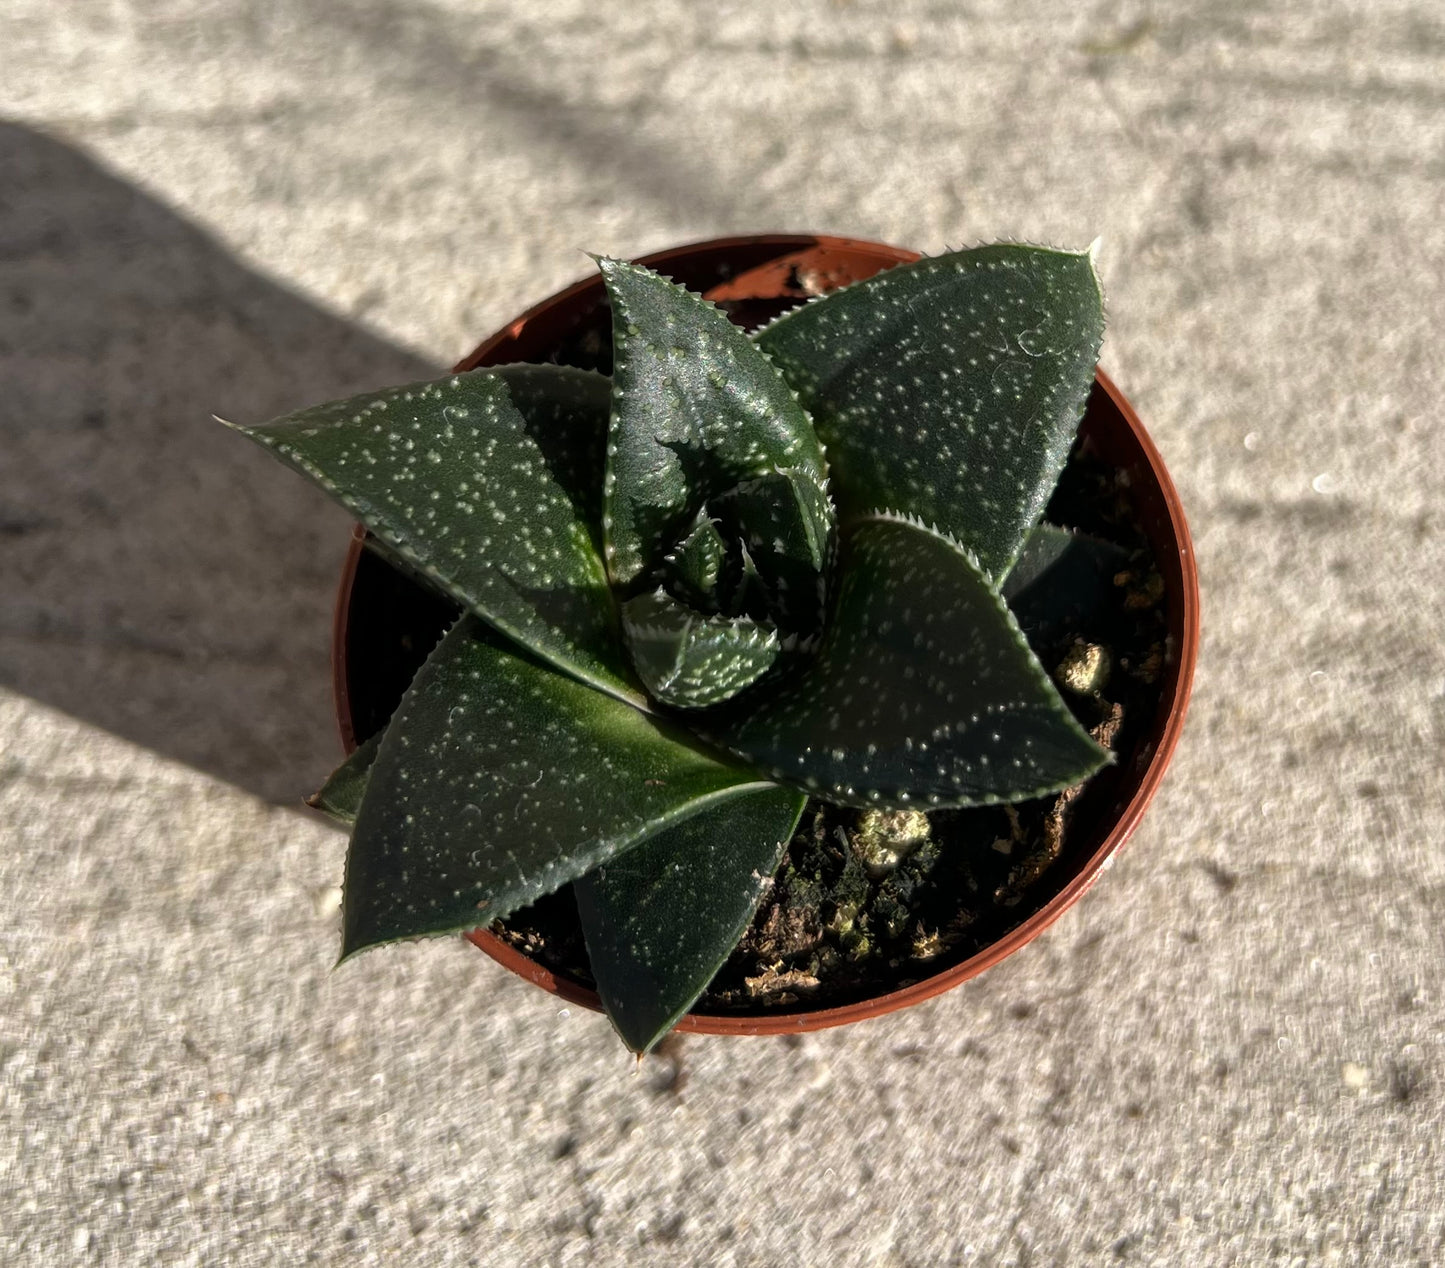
743	573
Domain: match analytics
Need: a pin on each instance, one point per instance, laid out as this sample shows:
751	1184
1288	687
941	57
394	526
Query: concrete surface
1233	1052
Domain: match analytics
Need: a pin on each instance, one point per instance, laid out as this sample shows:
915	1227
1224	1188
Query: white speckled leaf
696	409
692	661
449	476
950	389
498	781
695	567
923	692
661	919
566	411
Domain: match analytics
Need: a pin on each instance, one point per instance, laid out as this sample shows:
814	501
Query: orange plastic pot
756	278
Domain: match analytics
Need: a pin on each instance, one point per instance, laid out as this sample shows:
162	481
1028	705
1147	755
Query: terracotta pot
755	278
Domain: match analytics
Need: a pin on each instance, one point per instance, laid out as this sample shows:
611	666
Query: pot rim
1177	567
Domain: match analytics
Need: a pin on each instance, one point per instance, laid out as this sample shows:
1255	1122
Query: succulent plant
745	572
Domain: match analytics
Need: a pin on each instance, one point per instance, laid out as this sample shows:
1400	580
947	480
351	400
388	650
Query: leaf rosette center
717	517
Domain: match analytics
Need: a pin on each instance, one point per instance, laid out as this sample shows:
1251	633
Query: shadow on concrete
433	54
159	577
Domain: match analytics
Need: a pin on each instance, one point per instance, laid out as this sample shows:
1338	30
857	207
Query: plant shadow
160	577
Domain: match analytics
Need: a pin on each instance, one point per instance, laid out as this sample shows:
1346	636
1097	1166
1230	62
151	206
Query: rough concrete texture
1232	1052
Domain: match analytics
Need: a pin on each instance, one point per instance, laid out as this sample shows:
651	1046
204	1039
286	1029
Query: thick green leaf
694	568
691	661
1060	582
696	410
340	796
566	412
922	693
950	389
742	588
1045	546
449	476
498	781
661	919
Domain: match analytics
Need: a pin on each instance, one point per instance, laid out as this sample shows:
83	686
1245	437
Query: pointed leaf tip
340	796
950	388
698	410
923	692
447	472
661	919
1060	581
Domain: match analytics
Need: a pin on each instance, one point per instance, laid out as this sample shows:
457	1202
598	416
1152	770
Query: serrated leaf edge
926	258
764	884
934	801
757	634
602	852
365	510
